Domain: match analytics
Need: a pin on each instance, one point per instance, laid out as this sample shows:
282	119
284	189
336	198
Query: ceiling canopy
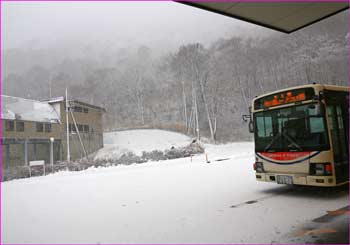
286	17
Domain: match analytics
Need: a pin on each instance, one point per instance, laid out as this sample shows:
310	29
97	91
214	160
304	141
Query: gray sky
47	24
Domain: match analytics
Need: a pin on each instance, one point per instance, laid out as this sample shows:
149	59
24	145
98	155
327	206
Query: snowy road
174	201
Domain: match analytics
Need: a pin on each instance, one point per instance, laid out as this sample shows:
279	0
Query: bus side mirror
251	126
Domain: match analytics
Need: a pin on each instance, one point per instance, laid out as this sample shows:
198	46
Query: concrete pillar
34	150
26	152
7	159
51	152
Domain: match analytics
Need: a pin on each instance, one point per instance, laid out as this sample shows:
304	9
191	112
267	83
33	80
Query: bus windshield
296	128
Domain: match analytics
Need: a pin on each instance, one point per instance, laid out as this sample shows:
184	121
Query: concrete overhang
286	17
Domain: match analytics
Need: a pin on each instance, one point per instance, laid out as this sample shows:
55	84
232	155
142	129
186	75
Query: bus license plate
284	179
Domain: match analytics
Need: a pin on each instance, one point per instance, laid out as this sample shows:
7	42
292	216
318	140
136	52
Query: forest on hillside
211	85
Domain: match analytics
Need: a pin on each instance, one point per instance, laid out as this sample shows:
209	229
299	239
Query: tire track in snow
280	192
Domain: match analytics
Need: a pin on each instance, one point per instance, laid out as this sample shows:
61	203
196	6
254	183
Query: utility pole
197	120
184	103
67	126
50	84
51	153
81	141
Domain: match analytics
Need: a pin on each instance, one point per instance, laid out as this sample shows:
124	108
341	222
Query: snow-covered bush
155	155
124	158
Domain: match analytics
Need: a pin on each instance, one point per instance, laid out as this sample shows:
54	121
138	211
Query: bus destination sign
284	98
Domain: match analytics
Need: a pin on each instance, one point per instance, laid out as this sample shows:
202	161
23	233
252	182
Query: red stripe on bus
285	156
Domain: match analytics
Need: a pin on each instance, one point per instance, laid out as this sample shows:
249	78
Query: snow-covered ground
173	201
137	141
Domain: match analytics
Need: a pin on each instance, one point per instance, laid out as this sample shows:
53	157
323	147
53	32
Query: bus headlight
259	167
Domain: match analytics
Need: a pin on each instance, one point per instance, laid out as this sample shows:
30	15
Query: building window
10	125
39	127
20	126
72	128
77	109
48	127
81	127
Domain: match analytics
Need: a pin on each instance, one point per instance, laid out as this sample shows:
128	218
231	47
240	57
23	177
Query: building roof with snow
27	110
72	102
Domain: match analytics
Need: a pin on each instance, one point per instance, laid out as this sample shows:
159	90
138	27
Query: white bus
302	135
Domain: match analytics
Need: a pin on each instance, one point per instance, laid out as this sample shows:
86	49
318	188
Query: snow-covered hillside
136	141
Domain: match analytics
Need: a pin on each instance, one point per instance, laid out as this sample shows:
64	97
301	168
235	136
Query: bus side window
331	119
340	118
341	131
336	127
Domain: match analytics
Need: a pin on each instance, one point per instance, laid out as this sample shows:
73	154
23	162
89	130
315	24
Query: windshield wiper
273	141
279	135
292	141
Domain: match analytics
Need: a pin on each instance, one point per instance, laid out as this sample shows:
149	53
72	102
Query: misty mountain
169	79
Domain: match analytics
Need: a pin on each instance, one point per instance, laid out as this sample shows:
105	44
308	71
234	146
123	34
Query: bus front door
338	112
